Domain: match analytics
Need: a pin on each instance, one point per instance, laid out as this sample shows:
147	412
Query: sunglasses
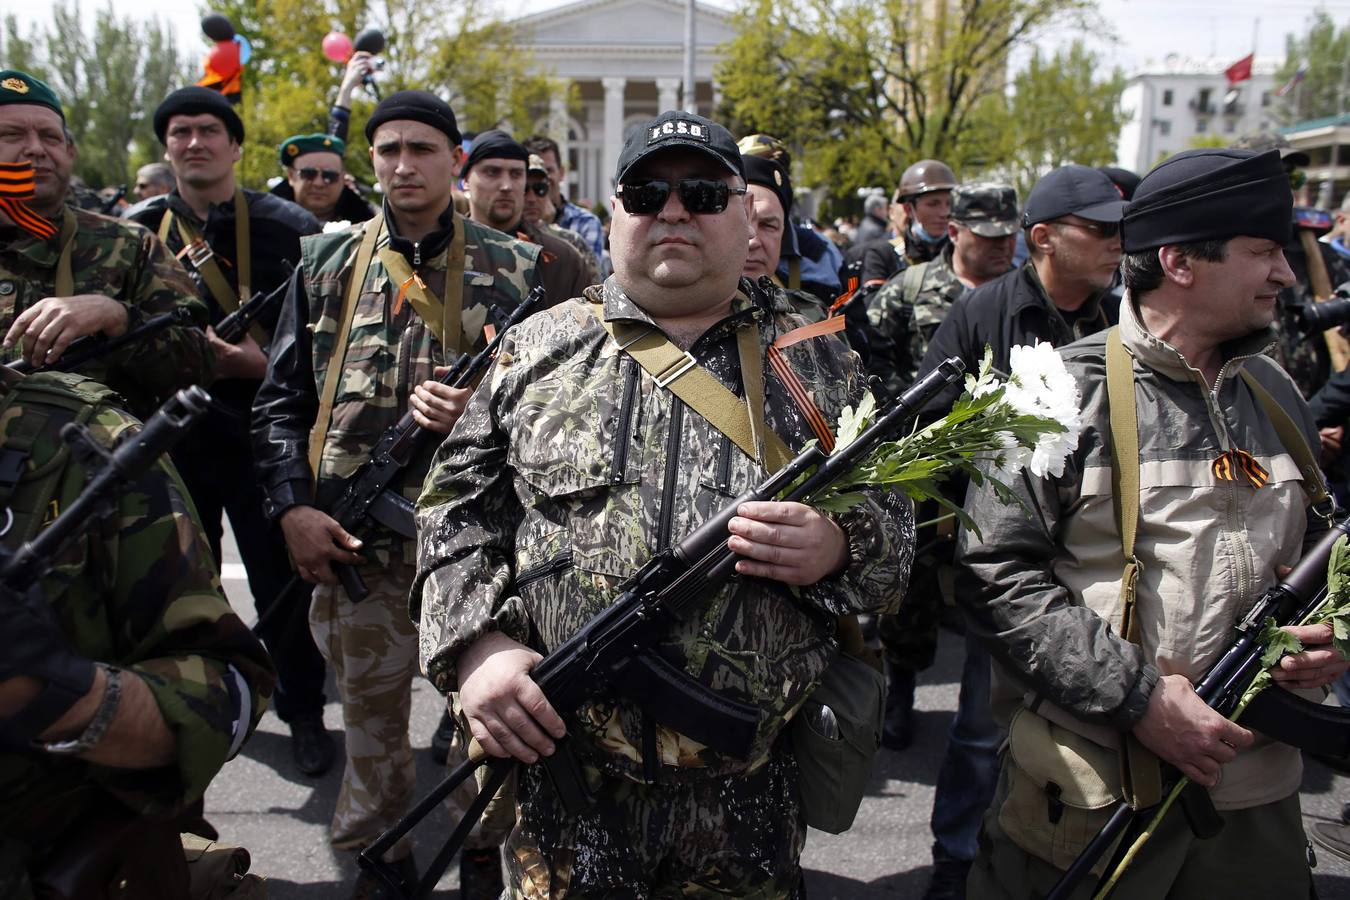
538	188
330	176
1104	230
702	196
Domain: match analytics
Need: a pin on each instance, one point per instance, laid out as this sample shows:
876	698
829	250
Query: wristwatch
98	725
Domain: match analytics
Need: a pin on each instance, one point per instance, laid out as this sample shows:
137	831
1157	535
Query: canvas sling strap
203	259
443	317
1140	774
65	273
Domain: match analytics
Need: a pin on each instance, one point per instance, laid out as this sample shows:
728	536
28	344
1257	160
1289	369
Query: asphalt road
260	802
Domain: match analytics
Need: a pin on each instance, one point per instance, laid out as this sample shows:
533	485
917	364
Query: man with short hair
570	216
772	233
237	242
875	224
69	273
153	179
539	212
317	180
547	494
1203	265
409	291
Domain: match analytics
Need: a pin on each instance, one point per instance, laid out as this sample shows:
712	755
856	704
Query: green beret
20	87
301	144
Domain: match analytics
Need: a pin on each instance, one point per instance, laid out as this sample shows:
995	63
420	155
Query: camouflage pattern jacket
388	353
138	591
570	468
903	314
127	263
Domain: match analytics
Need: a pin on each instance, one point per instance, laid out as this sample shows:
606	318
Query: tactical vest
33	456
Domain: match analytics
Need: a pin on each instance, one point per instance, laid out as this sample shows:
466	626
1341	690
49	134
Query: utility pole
689	49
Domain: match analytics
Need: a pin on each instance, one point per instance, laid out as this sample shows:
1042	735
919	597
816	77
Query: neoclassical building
626	58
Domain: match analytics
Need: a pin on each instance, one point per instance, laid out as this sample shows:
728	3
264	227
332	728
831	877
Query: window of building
1167	97
1202	100
1265	98
1164	127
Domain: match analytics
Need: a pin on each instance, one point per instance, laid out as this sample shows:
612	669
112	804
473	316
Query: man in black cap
773	236
317	180
495	175
1095	660
573	464
236	242
373	317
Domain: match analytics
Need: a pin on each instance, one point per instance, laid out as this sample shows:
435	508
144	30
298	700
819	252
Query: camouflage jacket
138	591
123	261
570	468
388	353
903	314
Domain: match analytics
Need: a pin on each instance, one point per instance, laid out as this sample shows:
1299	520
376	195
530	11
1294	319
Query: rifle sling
443	317
215	279
65	275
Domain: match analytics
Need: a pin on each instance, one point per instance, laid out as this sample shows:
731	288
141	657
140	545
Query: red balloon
223	59
337	46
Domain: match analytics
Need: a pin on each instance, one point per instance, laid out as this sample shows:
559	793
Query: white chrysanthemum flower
1011	457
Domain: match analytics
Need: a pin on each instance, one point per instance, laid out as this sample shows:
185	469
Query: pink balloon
337	46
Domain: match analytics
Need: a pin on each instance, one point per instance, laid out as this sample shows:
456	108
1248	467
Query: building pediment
622	23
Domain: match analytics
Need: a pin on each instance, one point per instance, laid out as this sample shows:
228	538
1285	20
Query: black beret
196	101
1209	194
764	171
494	145
417	106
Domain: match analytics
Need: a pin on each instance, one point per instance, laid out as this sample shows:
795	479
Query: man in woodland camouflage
134	610
67	273
570	468
428	282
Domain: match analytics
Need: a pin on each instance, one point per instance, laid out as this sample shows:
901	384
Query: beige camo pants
372	648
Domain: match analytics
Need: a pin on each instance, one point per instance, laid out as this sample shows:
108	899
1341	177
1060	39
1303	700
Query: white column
613	128
557	122
667	94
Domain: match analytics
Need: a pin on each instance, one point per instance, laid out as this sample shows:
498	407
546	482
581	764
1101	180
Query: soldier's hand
507	712
316	541
1182	730
242	360
48	326
1331	440
1317	665
788	542
437	407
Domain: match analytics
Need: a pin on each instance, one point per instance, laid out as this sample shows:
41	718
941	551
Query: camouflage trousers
372	649
720	837
500	815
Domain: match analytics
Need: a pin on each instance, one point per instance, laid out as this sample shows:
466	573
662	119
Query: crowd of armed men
680	354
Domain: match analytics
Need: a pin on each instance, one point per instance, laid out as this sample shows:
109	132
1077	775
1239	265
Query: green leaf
1277	642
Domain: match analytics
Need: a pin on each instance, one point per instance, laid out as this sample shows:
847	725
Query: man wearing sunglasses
316	179
540	212
572	465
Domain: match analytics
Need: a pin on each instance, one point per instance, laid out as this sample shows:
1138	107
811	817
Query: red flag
1240	70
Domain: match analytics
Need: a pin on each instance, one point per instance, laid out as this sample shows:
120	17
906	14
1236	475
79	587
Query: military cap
1260	141
494	145
417	106
20	87
764	171
300	144
986	208
679	129
535	165
1210	194
926	176
768	146
196	101
1073	190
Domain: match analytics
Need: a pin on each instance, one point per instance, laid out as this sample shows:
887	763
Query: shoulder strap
65	275
324	417
911	283
1292	437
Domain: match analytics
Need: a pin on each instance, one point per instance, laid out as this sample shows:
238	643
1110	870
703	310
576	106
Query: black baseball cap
679	129
1073	190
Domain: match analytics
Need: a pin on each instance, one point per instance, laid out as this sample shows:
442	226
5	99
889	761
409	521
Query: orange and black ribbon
18	183
1237	462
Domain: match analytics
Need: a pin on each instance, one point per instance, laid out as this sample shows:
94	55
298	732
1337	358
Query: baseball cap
986	208
679	129
1073	190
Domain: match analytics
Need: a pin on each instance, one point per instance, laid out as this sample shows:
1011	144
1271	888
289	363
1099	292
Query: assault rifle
233	327
615	650
93	347
370	494
1275	712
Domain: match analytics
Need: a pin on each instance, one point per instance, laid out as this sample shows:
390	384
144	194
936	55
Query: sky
1144	29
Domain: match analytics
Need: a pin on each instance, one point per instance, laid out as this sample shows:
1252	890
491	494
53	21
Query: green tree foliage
1060	111
109	74
460	51
866	87
1325	90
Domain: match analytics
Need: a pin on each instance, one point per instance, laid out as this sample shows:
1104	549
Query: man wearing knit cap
374	315
495	175
236	242
68	273
317	180
573	465
1092	680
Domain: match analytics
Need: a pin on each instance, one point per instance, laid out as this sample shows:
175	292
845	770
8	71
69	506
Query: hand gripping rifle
615	650
94	347
369	493
1274	711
